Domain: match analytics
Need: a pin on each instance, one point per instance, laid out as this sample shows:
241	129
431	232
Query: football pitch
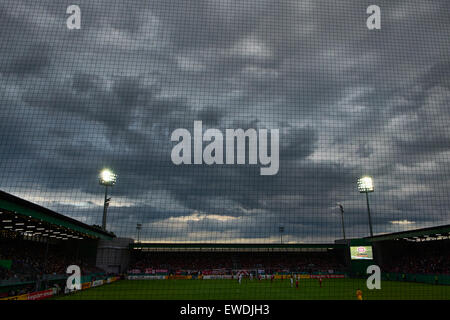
309	289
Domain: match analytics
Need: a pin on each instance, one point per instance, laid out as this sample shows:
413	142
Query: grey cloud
347	101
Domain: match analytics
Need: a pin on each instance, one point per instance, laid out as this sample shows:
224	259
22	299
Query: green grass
335	289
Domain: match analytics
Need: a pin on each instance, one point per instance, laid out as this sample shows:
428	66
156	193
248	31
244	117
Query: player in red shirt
320	281
296	283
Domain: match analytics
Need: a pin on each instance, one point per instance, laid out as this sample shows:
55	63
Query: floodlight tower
281	230
138	228
341	208
365	185
107	178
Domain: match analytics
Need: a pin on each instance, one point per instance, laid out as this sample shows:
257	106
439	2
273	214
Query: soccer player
296	283
320	281
359	294
240	278
292	281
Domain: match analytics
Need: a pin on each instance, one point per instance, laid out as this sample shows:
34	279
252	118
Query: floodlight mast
365	185
107	178
341	208
138	228
281	230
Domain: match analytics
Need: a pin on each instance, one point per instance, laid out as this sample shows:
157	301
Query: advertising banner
40	295
146	277
134	271
179	277
161	270
85	285
327	276
217	276
21	297
97	283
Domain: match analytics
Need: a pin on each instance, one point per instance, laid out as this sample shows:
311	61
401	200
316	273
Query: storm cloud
347	101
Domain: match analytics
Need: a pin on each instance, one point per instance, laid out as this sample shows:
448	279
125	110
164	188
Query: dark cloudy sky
347	101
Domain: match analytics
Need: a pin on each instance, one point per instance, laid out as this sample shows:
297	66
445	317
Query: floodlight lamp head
365	184
107	177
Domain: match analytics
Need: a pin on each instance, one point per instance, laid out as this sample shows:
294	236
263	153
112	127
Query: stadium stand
30	259
418	255
229	259
421	254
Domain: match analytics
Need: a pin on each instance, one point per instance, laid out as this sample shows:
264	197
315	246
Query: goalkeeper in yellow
359	294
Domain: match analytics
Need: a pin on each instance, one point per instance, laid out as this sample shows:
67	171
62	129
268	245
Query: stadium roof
424	234
30	219
243	247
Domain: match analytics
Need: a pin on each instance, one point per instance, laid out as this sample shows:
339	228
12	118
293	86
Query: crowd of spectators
32	260
304	262
270	262
420	262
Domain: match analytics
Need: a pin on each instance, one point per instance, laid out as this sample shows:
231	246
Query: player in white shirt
240	278
292	281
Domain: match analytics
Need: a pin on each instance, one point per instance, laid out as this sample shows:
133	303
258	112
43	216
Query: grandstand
37	245
420	255
36	221
229	259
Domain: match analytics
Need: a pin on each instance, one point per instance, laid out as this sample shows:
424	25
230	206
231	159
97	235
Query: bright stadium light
107	178
365	185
